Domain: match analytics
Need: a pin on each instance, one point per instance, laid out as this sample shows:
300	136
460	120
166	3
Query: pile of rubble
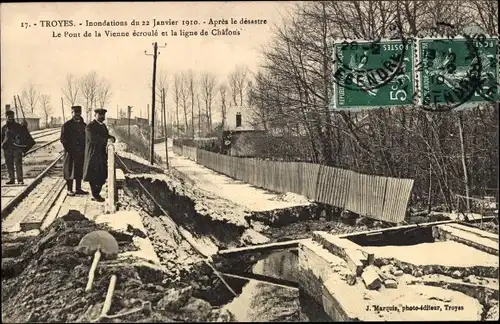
47	283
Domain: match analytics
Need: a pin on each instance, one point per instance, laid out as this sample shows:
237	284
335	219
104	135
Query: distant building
141	121
237	118
55	122
239	137
32	119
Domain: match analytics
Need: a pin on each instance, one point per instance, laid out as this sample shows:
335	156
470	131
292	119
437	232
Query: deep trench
289	305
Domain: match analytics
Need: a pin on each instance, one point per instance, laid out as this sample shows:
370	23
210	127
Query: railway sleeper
34	220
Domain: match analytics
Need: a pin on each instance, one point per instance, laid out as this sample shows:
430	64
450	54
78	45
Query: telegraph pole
153	99
129	110
62	106
165	125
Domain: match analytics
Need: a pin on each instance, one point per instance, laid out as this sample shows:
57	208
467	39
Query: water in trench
265	302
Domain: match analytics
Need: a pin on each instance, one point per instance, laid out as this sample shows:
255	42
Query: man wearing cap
73	141
95	165
12	147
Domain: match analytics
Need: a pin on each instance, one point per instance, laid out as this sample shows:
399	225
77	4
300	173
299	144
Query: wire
206	259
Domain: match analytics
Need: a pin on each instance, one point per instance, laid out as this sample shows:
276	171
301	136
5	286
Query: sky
34	55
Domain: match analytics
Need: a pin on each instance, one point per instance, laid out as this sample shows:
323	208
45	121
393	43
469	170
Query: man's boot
96	190
79	190
69	187
10	182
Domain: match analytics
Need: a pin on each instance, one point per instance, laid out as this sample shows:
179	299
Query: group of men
85	151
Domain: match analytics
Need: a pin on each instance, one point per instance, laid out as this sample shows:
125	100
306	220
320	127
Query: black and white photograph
250	161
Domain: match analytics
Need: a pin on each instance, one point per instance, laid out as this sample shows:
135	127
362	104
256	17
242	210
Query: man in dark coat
73	141
95	166
13	148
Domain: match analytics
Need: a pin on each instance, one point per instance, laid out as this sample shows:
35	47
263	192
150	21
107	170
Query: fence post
112	189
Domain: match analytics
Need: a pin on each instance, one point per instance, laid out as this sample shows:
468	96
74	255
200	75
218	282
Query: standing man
73	141
95	166
13	147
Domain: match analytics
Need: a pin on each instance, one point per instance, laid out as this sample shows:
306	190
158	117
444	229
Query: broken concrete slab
483	292
445	232
353	254
316	265
476	231
437	257
354	303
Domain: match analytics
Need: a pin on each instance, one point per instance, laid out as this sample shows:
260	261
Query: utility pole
117	113
15	106
153	99
129	110
62	107
162	121
165	124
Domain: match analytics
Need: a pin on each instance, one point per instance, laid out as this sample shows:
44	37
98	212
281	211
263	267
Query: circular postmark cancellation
369	65
456	71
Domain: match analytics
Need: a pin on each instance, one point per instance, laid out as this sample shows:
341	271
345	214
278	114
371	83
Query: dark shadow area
401	237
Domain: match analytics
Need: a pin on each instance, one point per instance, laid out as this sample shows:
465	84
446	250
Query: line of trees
197	97
292	89
90	91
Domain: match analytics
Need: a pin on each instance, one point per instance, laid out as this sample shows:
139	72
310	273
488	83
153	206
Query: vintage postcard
250	161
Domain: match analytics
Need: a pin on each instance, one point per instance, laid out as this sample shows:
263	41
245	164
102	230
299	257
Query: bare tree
71	89
177	96
46	107
161	89
199	113
103	92
485	13
90	91
223	103
237	83
30	97
191	83
184	96
208	88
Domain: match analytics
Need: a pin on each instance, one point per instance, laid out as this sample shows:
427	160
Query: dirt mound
196	211
47	283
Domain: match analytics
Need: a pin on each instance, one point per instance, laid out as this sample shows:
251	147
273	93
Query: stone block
390	283
353	261
371	278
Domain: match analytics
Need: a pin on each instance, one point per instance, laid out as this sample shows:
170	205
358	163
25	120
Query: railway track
29	208
40	144
43	131
48	133
42	170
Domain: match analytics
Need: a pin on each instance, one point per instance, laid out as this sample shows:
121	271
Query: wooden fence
377	197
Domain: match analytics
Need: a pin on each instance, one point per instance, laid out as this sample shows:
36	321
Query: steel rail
7	209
